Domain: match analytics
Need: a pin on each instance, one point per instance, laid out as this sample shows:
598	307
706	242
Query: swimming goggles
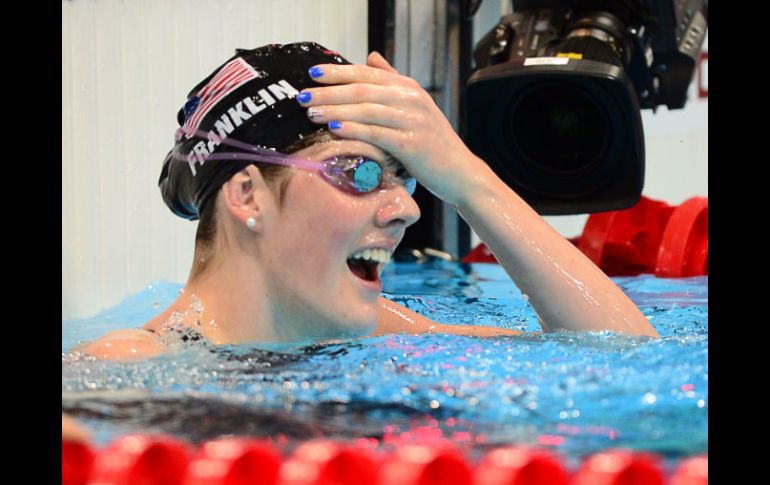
350	173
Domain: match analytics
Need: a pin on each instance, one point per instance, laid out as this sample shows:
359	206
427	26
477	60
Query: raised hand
375	104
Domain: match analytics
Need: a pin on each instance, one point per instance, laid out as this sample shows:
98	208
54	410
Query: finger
369	113
353	73
383	137
376	59
357	93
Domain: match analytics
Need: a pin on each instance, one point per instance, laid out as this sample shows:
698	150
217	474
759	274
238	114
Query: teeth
377	254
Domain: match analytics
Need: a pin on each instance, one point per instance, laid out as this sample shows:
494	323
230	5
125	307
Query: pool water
573	393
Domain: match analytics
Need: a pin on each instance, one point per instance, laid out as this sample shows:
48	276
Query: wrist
477	183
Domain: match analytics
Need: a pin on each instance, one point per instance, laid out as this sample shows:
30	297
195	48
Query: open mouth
366	270
367	264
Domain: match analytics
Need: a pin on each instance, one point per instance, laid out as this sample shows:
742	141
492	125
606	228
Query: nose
397	208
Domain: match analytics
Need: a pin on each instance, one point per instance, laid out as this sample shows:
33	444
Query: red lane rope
164	460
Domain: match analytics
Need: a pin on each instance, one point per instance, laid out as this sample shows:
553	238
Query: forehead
339	146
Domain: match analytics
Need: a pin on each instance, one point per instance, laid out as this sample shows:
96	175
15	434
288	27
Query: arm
395	318
393	112
71	430
124	345
567	290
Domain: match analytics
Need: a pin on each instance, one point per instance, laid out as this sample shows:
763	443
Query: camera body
554	105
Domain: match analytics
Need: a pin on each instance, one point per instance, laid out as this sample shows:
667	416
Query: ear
246	196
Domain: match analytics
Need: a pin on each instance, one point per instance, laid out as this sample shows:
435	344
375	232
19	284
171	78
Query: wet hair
276	179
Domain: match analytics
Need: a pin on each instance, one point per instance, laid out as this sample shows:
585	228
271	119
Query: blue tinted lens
367	176
410	184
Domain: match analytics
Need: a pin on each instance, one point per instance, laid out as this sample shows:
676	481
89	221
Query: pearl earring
251	223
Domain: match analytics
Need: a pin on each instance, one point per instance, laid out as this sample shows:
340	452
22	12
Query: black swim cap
250	98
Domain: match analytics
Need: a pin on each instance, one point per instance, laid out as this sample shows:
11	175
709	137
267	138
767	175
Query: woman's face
319	290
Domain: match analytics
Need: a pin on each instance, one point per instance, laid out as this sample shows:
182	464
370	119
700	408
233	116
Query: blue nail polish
316	71
335	125
304	97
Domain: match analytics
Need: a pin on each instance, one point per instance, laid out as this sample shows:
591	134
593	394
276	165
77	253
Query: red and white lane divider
164	460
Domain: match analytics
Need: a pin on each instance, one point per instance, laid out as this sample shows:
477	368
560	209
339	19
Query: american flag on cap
233	75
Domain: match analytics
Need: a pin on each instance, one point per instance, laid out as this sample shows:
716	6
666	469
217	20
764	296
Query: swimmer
299	168
72	430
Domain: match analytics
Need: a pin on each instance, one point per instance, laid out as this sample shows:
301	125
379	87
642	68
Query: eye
368	175
355	172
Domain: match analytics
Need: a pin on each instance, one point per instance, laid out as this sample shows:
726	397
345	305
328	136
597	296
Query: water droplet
649	398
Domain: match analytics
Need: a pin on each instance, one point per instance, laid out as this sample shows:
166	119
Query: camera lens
558	128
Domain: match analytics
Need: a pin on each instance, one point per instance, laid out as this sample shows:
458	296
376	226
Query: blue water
574	393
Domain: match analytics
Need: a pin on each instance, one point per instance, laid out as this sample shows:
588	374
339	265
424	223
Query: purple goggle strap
256	153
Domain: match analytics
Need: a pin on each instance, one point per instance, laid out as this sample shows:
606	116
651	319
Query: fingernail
314	113
335	125
316	71
304	97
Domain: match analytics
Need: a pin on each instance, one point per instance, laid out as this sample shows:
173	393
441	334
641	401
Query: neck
236	303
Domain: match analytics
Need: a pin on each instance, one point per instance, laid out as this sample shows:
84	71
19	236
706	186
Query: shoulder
395	318
71	430
127	344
